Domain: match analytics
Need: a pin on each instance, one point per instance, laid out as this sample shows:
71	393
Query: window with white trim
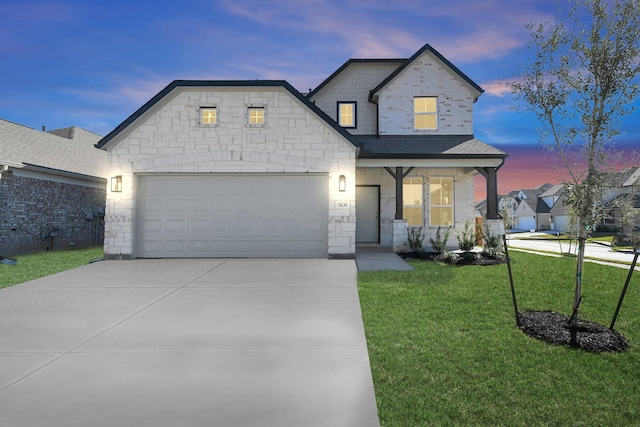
441	201
425	112
413	201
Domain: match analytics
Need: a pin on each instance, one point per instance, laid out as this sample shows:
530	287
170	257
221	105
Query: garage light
342	183
116	184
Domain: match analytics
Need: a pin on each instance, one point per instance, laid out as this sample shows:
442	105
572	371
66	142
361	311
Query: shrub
440	242
491	241
466	239
415	236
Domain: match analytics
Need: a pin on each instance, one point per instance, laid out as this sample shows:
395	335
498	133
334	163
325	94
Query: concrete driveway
196	342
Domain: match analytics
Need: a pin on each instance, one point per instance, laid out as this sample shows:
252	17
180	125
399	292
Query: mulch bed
553	328
459	258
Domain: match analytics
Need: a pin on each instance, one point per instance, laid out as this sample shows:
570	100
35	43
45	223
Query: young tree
580	81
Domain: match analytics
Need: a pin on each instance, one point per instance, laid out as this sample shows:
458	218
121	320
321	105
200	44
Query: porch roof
425	147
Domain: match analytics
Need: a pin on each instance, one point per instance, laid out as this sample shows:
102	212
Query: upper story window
255	116
208	115
347	114
425	112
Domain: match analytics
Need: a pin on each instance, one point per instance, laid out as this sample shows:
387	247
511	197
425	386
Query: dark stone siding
38	215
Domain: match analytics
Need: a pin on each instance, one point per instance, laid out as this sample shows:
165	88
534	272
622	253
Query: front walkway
376	258
197	342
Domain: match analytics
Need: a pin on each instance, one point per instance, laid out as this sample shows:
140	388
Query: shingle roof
625	178
425	146
531	198
223	83
344	66
556	190
21	146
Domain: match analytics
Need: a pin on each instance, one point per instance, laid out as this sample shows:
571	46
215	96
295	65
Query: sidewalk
594	252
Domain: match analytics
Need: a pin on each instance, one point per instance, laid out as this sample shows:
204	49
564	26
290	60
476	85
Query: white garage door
247	215
526	223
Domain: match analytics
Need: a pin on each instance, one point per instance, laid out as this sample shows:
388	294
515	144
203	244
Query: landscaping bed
553	328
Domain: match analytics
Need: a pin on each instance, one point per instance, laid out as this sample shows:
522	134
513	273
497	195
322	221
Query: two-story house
255	168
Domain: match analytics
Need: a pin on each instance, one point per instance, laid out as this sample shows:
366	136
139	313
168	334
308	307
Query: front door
367	214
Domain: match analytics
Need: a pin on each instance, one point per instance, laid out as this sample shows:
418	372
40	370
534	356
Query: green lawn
444	348
37	265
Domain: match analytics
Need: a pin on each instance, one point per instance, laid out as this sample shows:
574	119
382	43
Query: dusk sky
92	64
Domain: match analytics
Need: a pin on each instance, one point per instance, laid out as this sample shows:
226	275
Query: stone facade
171	139
426	77
463	193
37	215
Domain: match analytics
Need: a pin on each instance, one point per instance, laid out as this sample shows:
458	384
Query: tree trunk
577	297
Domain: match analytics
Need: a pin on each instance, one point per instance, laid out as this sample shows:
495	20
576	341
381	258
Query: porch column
491	176
398	175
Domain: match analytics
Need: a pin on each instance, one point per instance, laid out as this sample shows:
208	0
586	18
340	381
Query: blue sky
92	64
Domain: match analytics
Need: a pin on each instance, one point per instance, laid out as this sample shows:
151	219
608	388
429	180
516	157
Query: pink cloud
499	88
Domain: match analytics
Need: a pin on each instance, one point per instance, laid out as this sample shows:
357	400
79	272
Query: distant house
52	189
532	212
556	215
545	208
560	214
261	170
618	187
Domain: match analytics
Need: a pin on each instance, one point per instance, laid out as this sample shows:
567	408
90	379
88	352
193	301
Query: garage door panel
232	216
198	226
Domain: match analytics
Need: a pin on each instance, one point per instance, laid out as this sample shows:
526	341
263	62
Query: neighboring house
532	212
254	168
525	213
556	215
481	208
52	189
620	183
620	186
560	214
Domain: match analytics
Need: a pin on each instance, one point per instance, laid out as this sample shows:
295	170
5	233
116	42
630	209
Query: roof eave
431	156
104	143
438	55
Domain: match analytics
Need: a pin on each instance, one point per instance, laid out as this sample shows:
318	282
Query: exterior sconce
342	184
116	184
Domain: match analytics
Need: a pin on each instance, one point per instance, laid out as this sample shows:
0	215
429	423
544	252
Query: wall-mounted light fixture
342	183
116	184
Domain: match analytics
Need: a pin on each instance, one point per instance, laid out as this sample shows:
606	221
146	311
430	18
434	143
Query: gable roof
556	190
350	62
425	147
624	178
530	198
431	50
178	84
559	207
73	152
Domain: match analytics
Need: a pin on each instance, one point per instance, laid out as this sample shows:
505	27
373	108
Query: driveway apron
187	342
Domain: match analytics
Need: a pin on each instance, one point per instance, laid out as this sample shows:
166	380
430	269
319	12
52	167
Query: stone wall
172	140
463	194
39	215
426	77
